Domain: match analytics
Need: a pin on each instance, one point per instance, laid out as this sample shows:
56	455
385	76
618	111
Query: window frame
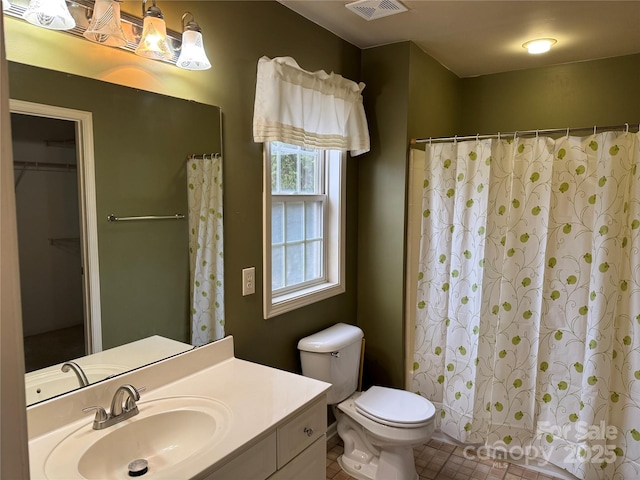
334	223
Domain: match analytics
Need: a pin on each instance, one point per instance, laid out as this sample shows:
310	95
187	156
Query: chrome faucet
123	406
82	378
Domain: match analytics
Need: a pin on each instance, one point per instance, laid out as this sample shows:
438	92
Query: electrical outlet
248	281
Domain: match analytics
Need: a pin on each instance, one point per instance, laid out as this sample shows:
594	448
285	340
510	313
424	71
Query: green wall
246	31
582	94
407	92
141	141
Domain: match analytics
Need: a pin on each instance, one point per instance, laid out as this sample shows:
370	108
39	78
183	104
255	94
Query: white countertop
258	399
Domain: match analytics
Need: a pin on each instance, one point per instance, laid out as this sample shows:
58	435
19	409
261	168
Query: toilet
379	427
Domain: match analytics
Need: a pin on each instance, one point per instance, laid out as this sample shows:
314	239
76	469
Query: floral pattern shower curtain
206	259
528	315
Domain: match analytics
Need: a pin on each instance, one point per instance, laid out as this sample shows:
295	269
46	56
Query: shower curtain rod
517	133
203	156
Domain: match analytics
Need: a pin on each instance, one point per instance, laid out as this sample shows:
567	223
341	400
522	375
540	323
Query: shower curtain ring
626	128
568	133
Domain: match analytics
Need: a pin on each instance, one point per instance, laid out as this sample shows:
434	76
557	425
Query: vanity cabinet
294	450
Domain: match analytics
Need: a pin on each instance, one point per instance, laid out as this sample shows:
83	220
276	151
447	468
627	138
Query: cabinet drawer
311	464
258	462
301	431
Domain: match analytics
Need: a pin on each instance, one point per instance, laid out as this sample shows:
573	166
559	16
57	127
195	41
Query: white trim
412	245
334	238
88	210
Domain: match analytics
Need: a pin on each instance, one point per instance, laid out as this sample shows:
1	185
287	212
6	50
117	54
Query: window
303	226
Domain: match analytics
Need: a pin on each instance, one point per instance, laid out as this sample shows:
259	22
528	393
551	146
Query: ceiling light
52	14
105	27
153	43
539	45
192	55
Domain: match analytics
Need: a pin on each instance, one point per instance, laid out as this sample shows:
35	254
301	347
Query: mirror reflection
48	382
132	283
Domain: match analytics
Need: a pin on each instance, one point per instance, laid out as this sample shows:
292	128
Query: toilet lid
395	407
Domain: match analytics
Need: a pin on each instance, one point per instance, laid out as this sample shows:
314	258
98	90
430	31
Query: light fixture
153	43
192	55
539	45
104	27
52	14
5	5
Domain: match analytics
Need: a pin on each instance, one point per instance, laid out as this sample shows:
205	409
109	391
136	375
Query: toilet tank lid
331	339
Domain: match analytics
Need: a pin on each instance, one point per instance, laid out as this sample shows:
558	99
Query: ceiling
479	37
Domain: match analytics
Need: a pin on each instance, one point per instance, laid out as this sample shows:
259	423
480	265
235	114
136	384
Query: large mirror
141	141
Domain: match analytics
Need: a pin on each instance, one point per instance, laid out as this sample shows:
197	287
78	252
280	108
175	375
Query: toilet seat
395	408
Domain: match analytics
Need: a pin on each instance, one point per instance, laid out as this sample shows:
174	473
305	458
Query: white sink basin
166	433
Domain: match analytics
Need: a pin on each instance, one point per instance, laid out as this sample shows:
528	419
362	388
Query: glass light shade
52	14
540	45
192	55
153	43
5	5
105	27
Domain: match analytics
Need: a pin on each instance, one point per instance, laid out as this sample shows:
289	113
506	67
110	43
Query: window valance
310	109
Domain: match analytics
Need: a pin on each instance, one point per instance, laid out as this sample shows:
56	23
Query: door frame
88	211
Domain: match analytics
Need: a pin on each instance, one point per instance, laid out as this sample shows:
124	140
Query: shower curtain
206	261
527	332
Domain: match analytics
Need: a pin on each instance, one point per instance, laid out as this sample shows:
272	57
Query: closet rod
177	216
203	156
58	166
519	134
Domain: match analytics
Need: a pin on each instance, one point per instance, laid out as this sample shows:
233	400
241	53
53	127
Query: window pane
309	173
294	221
274	173
277	222
277	267
313	254
288	173
295	265
313	219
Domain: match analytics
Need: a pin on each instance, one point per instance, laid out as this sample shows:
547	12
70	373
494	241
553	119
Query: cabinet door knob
308	431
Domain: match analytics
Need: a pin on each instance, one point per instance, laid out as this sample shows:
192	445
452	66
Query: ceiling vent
373	9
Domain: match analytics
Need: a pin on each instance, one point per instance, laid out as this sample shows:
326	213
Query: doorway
57	233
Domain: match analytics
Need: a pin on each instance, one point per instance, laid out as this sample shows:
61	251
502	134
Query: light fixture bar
82	11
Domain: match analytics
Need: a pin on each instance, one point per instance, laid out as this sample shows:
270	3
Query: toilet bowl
379	427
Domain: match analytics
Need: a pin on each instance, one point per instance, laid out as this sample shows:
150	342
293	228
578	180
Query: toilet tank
333	355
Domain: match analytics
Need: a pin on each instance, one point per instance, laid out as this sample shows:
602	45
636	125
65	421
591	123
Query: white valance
311	109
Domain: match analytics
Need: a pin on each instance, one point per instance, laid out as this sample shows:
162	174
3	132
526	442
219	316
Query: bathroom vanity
203	414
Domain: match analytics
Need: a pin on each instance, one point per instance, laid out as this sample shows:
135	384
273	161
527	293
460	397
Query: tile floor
437	460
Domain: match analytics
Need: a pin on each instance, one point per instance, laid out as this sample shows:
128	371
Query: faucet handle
101	414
